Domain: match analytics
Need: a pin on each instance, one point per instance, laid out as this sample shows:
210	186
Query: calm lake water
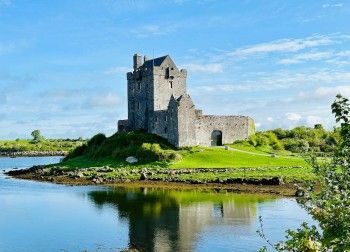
37	216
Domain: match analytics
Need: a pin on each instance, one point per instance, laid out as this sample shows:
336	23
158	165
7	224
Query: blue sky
63	63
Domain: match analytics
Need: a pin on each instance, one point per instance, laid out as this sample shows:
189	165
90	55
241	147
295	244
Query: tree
37	137
330	205
318	126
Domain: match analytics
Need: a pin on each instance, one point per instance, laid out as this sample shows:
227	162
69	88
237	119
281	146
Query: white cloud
270	119
306	57
314	56
283	45
335	5
323	92
257	125
293	116
278	81
344	53
204	68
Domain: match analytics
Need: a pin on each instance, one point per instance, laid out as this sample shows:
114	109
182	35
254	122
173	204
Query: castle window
155	118
138	105
166	118
171	84
139	85
165	130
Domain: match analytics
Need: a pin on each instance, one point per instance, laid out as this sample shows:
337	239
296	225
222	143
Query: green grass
44	145
154	152
221	158
245	146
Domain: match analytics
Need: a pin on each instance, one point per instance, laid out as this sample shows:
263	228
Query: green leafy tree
37	137
330	205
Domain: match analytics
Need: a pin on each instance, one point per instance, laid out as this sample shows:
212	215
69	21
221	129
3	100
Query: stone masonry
158	103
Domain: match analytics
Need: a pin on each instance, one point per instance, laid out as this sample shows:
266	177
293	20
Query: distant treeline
48	145
298	140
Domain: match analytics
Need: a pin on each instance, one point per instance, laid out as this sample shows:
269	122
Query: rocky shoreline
161	177
32	153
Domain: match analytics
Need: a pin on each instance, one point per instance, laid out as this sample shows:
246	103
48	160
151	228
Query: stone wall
186	122
173	119
232	127
123	125
140	98
160	123
166	85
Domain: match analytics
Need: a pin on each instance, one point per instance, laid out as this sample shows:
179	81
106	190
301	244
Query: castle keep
158	103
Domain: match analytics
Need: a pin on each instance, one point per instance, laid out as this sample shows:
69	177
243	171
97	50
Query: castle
158	103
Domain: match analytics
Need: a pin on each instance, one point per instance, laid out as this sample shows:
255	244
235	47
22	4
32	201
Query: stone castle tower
158	103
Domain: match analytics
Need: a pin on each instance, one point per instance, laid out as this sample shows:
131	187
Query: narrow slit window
171	84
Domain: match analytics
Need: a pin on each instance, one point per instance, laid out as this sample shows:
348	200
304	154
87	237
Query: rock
143	176
98	180
80	175
299	192
131	160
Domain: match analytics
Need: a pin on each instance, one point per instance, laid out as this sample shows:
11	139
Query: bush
97	139
281	133
296	145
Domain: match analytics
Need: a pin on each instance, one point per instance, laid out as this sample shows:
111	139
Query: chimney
145	58
138	61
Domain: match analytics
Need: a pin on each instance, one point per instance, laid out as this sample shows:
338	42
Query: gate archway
216	138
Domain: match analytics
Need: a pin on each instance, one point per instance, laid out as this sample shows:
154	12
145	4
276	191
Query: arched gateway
216	138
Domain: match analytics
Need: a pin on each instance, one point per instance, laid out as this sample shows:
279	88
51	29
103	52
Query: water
37	216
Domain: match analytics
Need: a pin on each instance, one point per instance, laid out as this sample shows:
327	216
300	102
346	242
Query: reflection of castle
158	222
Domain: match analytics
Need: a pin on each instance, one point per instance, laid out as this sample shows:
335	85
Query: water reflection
164	220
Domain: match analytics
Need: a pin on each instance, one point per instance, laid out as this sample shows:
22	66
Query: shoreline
239	186
15	154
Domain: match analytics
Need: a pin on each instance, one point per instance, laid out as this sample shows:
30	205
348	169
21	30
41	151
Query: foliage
146	147
298	140
45	145
330	205
37	137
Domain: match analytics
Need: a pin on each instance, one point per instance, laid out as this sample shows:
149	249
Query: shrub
97	139
296	145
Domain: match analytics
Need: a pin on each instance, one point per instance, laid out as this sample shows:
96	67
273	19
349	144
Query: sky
63	63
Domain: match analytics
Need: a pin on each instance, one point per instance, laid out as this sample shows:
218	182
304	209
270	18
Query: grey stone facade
158	103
